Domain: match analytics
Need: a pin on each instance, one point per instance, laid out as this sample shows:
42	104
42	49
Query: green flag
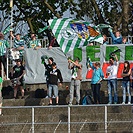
1	80
6	30
71	34
42	29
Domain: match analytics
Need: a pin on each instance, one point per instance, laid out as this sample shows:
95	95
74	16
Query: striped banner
71	34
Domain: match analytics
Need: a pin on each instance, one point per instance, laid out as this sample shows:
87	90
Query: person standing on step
96	80
111	74
54	76
76	78
126	82
48	68
4	44
18	44
18	72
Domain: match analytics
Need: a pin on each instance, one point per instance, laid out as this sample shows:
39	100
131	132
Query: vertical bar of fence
69	119
106	122
32	120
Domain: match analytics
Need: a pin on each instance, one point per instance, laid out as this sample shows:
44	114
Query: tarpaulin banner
35	70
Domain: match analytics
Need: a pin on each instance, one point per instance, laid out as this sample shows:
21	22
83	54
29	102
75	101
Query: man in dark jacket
48	68
55	74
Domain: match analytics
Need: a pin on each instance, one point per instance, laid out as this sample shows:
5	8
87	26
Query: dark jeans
3	61
96	92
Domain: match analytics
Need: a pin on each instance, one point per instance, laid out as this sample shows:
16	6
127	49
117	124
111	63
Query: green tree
36	13
114	12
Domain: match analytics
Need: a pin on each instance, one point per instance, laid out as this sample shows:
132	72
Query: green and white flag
42	29
6	30
71	34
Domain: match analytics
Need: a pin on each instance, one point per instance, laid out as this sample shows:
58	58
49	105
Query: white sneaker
69	104
123	102
53	96
129	102
46	97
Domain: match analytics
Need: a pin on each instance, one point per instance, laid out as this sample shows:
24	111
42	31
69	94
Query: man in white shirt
112	78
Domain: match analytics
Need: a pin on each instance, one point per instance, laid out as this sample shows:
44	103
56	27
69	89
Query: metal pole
11	5
11	23
69	119
106	122
32	120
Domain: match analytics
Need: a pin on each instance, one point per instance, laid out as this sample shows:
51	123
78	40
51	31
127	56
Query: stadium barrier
64	118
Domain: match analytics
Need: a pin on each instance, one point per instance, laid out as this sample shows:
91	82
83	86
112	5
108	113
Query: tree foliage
117	13
36	13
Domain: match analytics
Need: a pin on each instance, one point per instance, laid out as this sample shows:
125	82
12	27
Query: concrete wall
63	91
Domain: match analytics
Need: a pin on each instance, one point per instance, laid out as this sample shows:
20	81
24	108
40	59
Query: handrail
91	105
33	123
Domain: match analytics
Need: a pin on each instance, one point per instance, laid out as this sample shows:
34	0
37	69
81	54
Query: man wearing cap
54	76
3	46
75	79
34	43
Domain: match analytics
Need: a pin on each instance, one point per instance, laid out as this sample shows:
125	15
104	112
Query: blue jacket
116	40
97	74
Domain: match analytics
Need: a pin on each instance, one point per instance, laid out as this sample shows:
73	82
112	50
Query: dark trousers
3	61
96	92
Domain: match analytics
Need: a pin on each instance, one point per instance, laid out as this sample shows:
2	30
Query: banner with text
35	71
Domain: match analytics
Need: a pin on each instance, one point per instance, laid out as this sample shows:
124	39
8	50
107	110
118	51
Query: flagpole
11	24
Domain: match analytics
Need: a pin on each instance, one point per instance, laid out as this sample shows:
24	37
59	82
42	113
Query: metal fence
45	41
67	119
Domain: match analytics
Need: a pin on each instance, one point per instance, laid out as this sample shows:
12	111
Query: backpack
87	100
40	93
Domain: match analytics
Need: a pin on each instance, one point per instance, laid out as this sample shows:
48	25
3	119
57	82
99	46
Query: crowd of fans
18	70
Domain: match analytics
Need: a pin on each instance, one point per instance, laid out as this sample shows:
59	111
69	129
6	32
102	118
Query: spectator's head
97	65
1	36
76	60
54	65
111	60
126	65
50	60
33	35
104	37
124	39
90	44
117	34
18	36
18	61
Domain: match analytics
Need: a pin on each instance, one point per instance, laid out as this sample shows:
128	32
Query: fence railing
97	117
45	41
